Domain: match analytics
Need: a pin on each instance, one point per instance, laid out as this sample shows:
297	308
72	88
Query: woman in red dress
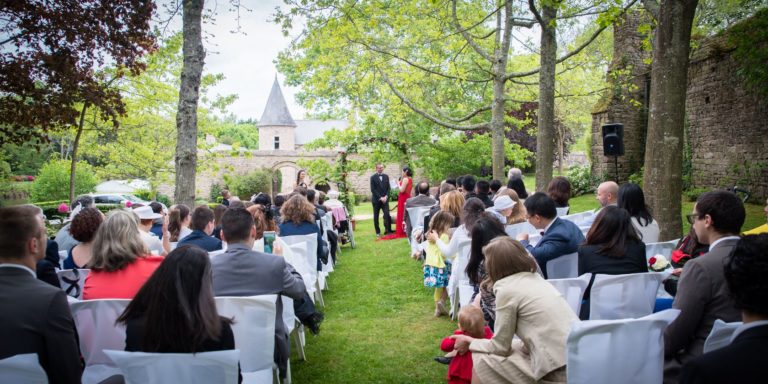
405	185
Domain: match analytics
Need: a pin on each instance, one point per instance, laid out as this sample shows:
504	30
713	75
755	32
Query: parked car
116	198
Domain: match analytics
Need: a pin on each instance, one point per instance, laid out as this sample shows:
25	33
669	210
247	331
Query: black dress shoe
388	232
314	322
443	360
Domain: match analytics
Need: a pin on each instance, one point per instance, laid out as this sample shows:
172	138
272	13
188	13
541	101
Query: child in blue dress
436	270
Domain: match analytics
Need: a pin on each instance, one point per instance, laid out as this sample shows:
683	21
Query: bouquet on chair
658	263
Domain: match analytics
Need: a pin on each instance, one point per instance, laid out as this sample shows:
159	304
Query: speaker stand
616	167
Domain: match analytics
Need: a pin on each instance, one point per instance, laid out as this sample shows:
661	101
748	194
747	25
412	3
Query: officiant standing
380	199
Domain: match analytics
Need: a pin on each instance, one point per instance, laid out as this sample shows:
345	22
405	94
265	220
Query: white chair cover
293	326
254	330
416	219
563	267
664	248
515	229
623	296
562	211
193	368
628	351
459	289
572	289
310	256
62	256
23	368
96	328
720	335
578	218
72	281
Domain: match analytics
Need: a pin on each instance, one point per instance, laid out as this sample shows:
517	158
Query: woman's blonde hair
297	210
452	202
441	222
518	211
117	242
505	257
471	321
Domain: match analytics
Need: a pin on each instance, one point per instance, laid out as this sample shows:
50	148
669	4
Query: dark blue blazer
157	229
305	228
199	238
744	361
562	237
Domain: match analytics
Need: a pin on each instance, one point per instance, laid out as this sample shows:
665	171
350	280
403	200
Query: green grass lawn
379	323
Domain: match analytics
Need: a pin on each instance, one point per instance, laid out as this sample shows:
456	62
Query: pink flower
30	178
63	208
652	260
128	204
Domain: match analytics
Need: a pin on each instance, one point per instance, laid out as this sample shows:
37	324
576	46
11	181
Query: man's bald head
607	193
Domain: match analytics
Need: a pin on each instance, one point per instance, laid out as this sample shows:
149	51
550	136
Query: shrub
582	180
243	186
52	183
215	194
637	178
694	193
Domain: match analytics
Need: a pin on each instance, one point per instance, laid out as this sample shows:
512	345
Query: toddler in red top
471	323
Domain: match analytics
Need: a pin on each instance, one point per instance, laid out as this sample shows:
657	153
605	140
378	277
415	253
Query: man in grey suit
34	316
422	199
240	271
702	294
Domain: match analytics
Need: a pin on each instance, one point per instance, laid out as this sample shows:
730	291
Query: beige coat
532	309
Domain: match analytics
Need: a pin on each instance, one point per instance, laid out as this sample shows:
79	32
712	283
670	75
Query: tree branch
480	51
426	115
652	6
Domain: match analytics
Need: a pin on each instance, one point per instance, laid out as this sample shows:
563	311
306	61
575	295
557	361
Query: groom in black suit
380	199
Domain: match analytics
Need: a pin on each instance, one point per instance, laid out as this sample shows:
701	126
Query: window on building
277	142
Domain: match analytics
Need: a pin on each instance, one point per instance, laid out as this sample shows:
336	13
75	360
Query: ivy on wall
750	39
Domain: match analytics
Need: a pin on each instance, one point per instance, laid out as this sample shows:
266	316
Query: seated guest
299	219
527	307
157	224
687	248
502	209
515	182
495	186
63	237
240	271
332	201
178	222
744	361
472	211
422	199
83	229
763	228
702	295
518	211
46	268
632	199
468	183
218	212
34	316
279	201
559	237
121	262
559	189
483	192
174	312
226	197
484	230
607	194
202	227
453	204
613	247
147	218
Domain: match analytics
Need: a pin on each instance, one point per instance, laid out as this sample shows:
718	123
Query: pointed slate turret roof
276	111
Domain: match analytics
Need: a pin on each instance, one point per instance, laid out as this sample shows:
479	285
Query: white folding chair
416	219
513	230
95	321
664	248
193	368
563	267
459	284
572	289
310	256
562	211
629	351
254	330
72	281
623	296
294	326
24	368
62	256
578	218
720	335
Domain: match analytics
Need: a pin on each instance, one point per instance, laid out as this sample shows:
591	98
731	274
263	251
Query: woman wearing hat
502	208
146	218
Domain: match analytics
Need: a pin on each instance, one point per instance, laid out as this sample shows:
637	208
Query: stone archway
288	171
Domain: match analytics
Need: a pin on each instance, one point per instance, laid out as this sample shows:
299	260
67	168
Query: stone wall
624	102
728	124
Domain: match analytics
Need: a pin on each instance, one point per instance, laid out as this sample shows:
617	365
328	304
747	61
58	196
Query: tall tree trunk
73	165
497	119
189	93
546	130
664	145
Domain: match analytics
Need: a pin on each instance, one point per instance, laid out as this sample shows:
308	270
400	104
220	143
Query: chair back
629	351
513	230
572	289
562	211
416	216
563	267
578	218
623	296
720	335
664	248
193	368
95	321
311	243
254	329
24	368
72	281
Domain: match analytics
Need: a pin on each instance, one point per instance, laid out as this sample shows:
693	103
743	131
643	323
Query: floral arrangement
658	263
63	208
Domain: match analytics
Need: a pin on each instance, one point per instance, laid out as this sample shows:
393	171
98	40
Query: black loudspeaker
613	139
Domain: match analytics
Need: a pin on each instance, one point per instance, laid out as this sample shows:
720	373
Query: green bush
52	183
215	194
147	195
243	186
637	178
582	180
694	193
